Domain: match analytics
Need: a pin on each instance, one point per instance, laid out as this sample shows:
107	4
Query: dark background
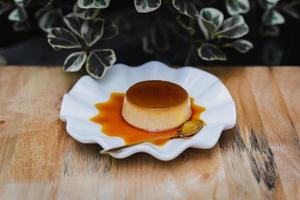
31	47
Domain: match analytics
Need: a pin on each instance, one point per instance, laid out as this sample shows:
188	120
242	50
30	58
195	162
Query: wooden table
258	159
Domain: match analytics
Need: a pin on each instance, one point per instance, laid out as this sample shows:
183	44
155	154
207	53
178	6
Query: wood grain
258	159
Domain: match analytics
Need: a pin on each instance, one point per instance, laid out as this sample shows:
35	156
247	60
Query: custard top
156	94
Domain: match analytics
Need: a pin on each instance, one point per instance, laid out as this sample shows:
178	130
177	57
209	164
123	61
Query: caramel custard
156	105
113	124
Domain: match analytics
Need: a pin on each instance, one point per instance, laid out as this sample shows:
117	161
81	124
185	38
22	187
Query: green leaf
50	19
235	7
271	31
186	7
61	38
2	61
21	26
292	9
4	6
92	31
86	14
210	52
40	12
268	4
186	23
210	19
273	17
272	53
75	61
145	6
146	45
18	15
93	3
242	46
99	61
232	28
46	3
160	38
110	30
74	23
22	3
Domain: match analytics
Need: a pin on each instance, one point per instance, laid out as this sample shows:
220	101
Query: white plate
78	106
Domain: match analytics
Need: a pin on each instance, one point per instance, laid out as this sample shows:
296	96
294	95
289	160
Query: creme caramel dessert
156	105
113	124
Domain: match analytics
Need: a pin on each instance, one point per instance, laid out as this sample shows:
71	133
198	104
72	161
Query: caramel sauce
113	124
145	94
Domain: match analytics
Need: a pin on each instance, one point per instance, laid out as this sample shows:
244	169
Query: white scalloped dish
78	107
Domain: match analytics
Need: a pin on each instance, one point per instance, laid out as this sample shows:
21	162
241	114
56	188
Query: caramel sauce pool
113	124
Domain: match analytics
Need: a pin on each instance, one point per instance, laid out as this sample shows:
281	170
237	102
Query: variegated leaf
86	14
18	15
272	53
2	61
99	61
186	7
110	30
145	6
235	7
292	9
75	61
92	31
22	3
50	19
233	27
242	46
186	23
93	3
160	38
210	19
268	4
146	45
46	3
21	26
273	17
210	52
4	6
74	23
270	31
61	38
